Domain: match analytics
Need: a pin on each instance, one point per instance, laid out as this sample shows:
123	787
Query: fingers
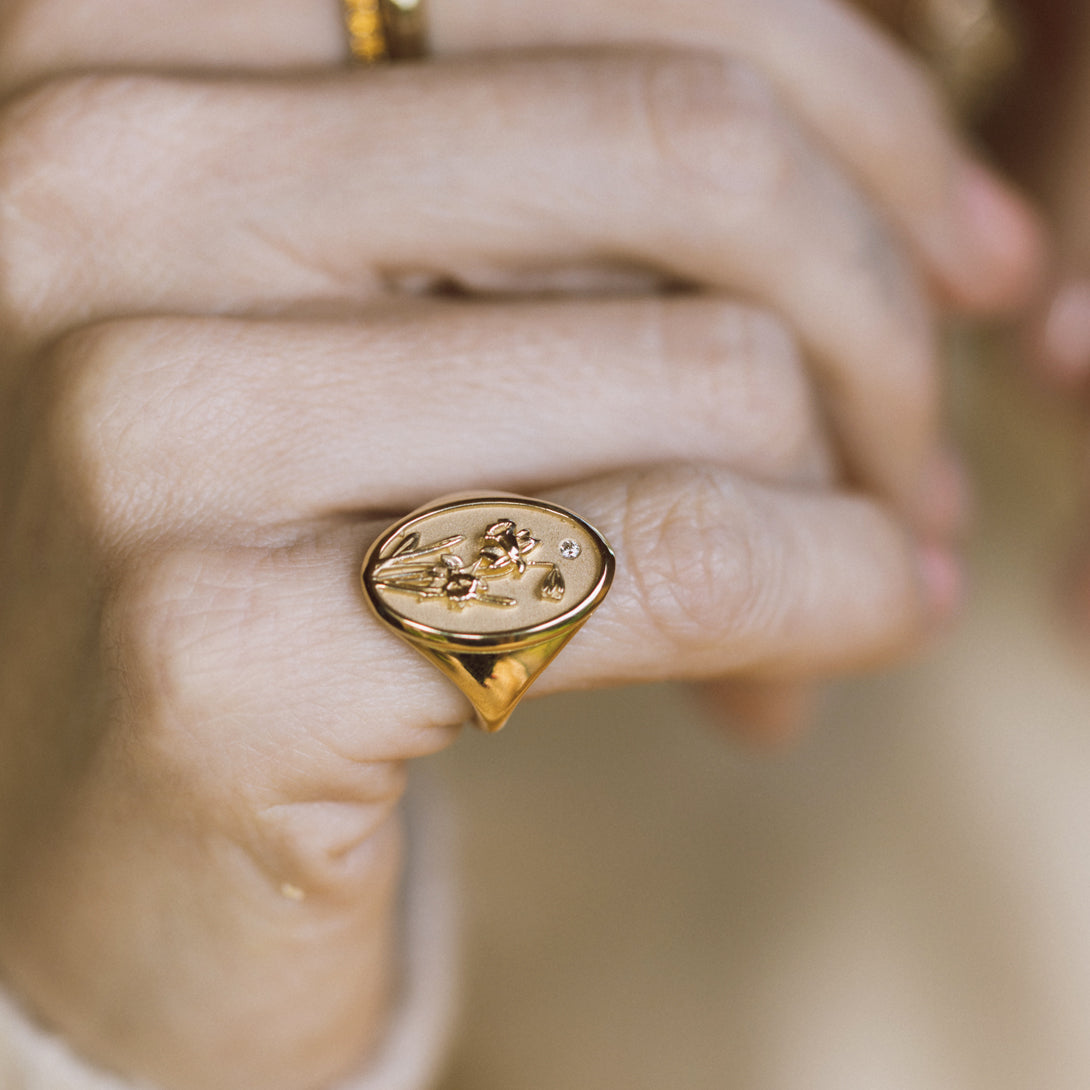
257	715
687	165
220	427
1059	339
863	96
728	577
715	576
859	93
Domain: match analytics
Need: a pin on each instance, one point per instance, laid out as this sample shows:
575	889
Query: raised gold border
507	639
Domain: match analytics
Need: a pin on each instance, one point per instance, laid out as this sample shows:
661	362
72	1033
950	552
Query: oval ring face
489	571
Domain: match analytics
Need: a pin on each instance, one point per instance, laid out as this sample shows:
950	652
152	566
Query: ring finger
716	575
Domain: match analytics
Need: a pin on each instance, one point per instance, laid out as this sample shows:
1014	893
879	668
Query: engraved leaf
552	586
412	581
405	545
409	549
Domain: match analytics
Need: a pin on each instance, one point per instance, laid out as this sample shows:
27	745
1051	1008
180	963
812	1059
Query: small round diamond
569	549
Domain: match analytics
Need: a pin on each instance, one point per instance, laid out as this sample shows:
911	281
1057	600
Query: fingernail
1004	237
946	499
943	580
1065	341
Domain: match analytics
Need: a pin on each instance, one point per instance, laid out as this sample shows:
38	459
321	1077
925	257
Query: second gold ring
381	30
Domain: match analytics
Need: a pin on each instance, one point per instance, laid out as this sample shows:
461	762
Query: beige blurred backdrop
900	901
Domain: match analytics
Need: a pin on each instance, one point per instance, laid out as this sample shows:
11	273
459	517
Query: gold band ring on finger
488	588
380	30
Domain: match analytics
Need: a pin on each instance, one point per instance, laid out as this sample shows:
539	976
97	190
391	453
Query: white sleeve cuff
410	1056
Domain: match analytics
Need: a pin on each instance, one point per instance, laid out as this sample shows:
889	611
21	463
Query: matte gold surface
488	589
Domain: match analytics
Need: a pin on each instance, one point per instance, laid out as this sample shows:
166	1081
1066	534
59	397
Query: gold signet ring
488	588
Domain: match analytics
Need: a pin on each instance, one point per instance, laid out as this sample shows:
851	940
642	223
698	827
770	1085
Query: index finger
863	95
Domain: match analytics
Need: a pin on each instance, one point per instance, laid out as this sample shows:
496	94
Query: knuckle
173	622
149	624
172	625
190	636
41	142
718	121
93	432
778	393
738	370
332	850
703	571
63	145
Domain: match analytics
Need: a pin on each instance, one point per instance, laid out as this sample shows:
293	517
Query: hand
788	165
205	731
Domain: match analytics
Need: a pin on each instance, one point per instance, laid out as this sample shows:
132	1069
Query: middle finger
222	426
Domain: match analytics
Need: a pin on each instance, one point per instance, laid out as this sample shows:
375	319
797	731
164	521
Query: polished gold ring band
380	30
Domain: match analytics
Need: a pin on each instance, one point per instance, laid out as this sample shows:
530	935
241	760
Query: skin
225	370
